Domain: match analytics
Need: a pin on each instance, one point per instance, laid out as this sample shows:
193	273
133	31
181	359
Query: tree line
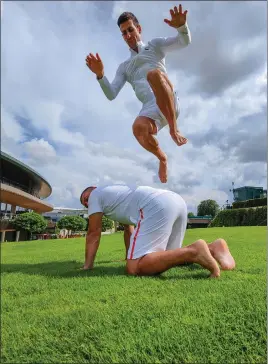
37	224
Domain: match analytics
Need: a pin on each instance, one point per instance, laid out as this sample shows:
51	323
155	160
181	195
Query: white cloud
118	8
40	152
10	127
79	138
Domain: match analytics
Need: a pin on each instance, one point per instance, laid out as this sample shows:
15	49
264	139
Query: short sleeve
94	203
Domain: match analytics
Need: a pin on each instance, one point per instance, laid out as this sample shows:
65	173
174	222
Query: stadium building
22	189
59	212
248	193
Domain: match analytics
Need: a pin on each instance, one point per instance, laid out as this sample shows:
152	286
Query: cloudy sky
55	117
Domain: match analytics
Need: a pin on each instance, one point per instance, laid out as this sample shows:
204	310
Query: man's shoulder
154	42
122	66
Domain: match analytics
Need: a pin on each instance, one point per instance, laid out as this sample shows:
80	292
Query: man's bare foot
162	173
220	251
178	138
204	258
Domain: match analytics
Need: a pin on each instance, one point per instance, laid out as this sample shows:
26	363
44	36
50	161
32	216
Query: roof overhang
14	196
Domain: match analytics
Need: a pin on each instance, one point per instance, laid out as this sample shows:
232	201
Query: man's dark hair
125	17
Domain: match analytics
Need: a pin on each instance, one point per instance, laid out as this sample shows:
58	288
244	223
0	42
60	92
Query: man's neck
136	48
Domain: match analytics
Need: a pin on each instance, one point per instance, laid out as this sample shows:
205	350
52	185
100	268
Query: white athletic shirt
121	203
150	56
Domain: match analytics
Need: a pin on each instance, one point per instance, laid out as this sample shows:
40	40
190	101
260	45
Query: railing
24	188
7	216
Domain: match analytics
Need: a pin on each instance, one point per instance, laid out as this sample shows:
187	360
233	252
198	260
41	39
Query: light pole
232	190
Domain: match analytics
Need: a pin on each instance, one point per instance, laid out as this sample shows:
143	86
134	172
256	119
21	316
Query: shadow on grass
69	269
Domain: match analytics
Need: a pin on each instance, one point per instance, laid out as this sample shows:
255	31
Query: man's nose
128	35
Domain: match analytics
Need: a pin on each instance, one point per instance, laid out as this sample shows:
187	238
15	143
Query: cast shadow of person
72	268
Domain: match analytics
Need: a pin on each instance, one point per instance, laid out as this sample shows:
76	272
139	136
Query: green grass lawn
54	313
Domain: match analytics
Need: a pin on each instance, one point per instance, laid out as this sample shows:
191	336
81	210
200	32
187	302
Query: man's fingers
171	12
93	57
180	9
185	13
98	57
175	10
89	60
167	21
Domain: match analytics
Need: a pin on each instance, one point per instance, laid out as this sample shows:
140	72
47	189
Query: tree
107	224
74	223
208	208
190	214
31	222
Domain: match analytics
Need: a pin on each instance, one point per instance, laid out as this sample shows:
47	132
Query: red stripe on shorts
136	234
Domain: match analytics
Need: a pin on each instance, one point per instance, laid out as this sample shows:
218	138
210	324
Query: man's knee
132	267
155	75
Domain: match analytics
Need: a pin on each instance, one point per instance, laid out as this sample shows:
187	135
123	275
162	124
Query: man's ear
139	28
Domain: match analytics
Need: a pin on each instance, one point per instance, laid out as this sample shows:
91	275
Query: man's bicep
165	45
95	222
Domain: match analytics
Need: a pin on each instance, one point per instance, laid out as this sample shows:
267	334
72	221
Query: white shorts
151	110
161	226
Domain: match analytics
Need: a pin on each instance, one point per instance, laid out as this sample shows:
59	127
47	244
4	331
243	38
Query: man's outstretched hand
178	18
95	64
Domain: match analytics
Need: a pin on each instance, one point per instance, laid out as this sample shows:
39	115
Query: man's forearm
100	76
92	244
107	88
111	90
181	40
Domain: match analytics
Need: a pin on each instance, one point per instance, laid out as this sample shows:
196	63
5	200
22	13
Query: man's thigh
179	227
144	123
152	111
154	227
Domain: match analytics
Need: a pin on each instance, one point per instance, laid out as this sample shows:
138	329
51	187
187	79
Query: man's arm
92	239
111	90
181	40
128	230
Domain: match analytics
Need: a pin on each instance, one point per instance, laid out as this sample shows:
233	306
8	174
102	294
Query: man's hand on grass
85	268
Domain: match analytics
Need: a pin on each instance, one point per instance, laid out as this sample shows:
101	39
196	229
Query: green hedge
250	203
241	217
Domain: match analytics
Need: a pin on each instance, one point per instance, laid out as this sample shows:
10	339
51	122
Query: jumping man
145	71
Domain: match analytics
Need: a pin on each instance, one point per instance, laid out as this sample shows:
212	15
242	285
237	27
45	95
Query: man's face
85	197
131	33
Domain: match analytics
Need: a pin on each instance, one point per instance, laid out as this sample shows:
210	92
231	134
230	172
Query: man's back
121	202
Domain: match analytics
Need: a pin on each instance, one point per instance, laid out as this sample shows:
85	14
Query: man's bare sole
205	259
221	253
162	172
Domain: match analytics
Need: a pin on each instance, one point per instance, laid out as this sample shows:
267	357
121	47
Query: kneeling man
155	244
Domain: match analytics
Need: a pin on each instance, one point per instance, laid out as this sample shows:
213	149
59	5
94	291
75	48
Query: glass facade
248	193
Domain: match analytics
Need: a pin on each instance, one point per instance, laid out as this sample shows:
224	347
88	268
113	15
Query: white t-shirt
121	203
150	56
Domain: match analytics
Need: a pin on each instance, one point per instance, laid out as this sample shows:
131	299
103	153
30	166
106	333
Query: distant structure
198	221
22	188
59	212
248	193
